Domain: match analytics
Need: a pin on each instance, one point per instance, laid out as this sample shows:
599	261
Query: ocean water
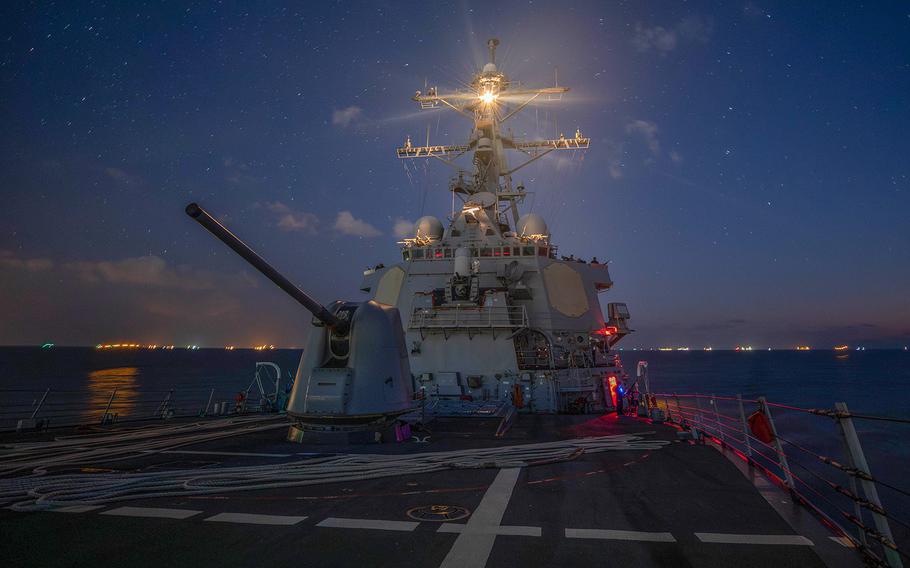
82	380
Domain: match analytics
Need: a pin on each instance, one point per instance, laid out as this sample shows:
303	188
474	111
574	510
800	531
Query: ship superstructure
490	312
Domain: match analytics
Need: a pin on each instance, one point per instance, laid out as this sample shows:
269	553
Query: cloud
290	220
657	38
10	261
347	224
403	227
648	131
346	116
121	176
693	29
240	174
614	152
148	271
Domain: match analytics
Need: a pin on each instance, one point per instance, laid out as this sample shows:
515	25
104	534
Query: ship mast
491	100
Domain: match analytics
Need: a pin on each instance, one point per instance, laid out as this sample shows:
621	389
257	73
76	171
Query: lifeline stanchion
720	430
104	415
858	461
782	457
742	417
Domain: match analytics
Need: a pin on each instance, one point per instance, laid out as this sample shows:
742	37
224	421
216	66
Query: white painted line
205	453
153	512
774	539
77	509
250	519
376	524
605	534
504	530
472	547
843	541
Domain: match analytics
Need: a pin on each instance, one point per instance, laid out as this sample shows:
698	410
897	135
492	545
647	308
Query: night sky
748	179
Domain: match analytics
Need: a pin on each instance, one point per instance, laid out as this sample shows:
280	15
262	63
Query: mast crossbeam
560	143
431	151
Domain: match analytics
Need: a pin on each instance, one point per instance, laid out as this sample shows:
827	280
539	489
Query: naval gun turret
354	372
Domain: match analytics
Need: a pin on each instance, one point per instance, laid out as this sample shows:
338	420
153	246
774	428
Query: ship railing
40	409
469	317
828	472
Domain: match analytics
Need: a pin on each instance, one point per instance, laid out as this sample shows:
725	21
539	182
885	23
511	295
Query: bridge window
438	253
541	251
527	251
417	253
448	253
406	254
506	251
497	251
485	252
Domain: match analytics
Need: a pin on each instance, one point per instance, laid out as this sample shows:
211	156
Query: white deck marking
773	539
376	524
250	519
472	547
843	541
506	530
206	453
605	534
77	509
151	512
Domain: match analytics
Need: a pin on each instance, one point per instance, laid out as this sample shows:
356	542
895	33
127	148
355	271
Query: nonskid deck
671	504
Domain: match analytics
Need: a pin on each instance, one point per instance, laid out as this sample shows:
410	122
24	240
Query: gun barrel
248	254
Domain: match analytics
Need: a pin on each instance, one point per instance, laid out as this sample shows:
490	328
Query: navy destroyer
484	360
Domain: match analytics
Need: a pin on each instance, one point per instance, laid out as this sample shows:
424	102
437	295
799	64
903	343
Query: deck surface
681	505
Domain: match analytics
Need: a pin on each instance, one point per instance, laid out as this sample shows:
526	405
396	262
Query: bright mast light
488	97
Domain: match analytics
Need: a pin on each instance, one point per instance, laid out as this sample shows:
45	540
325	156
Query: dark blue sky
748	175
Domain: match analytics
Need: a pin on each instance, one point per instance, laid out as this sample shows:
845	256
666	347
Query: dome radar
532	225
428	227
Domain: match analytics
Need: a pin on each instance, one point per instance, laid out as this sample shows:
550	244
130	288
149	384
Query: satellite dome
428	227
489	68
531	224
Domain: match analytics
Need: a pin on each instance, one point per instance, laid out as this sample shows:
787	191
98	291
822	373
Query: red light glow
611	380
607	331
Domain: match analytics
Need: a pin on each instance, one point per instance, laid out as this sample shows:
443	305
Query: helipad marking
251	519
377	524
77	509
503	530
773	539
473	546
153	512
605	534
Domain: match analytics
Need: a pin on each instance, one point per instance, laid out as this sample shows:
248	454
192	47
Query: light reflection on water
103	382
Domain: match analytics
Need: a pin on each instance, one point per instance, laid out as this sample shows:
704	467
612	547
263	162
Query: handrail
463	317
727	431
43	408
817	411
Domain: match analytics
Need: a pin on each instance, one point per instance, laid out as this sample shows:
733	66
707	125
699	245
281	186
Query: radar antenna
491	100
492	43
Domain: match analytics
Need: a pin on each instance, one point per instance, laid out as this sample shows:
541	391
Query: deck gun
354	370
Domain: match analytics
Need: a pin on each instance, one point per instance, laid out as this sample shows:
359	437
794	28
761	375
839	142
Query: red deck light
611	381
608	331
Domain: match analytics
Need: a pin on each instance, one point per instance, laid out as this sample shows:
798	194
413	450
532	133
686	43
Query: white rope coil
41	490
